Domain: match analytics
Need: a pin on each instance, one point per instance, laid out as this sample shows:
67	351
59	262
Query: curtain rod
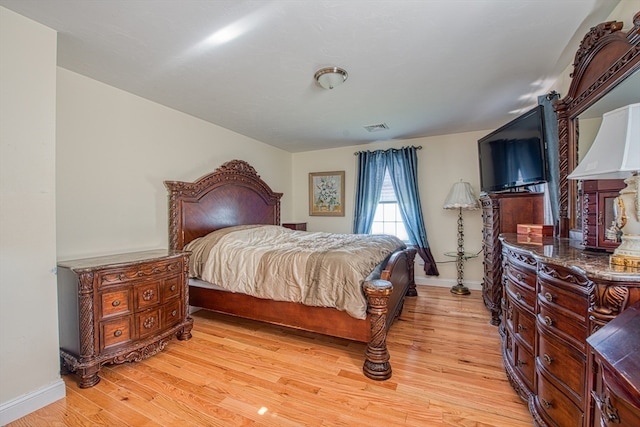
419	147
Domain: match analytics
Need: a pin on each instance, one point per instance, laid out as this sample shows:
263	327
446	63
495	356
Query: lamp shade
461	196
615	153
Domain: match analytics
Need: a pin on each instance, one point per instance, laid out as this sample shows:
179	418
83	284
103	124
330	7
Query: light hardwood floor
447	371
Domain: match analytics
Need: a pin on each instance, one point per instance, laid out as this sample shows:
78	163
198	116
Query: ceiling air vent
377	127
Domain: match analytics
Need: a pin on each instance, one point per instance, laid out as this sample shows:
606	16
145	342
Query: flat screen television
514	155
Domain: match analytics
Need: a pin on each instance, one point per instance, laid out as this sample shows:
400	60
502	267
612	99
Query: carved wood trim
606	57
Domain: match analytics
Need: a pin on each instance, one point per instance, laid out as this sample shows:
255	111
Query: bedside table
301	226
120	308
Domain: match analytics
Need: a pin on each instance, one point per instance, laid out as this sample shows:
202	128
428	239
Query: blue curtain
371	167
403	171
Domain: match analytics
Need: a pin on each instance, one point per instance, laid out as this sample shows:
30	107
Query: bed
235	195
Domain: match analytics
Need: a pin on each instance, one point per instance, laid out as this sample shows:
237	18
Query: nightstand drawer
115	332
115	303
170	289
148	322
171	313
147	295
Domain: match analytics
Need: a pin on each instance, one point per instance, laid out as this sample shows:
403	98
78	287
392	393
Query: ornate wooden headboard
233	194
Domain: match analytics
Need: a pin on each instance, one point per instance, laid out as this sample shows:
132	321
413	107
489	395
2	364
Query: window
387	219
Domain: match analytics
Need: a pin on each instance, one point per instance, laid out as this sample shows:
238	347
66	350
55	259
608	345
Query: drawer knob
173	288
518	296
519	276
117	333
149	322
521	363
115	303
546	403
548	359
548	296
174	312
147	295
521	328
548	320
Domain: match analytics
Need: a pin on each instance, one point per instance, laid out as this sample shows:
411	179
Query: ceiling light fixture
330	77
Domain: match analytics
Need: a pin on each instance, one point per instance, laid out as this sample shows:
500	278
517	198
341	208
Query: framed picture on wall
326	193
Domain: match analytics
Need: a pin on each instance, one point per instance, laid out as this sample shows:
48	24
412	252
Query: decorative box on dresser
120	308
555	296
501	213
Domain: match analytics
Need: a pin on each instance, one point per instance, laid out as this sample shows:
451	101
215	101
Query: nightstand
120	308
301	226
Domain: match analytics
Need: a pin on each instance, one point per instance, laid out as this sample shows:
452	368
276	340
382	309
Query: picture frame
326	193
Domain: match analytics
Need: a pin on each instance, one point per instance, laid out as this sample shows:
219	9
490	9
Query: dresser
120	308
615	359
501	213
555	296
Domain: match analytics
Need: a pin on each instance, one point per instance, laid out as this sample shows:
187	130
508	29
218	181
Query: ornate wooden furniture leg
376	363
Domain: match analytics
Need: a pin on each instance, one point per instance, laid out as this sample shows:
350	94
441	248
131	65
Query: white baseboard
25	404
447	283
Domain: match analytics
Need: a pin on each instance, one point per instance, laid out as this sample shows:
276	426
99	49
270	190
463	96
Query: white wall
442	161
29	362
115	150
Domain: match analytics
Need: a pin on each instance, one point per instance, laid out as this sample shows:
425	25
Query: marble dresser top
561	251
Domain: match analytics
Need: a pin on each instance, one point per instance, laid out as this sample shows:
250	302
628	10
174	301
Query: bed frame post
376	363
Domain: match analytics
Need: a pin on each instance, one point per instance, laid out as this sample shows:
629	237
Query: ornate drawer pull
115	303
521	328
173	288
117	333
174	312
147	295
519	276
149	322
521	363
548	296
547	359
548	320
518	296
546	403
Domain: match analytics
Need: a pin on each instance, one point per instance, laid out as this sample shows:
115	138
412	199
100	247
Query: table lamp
461	196
615	154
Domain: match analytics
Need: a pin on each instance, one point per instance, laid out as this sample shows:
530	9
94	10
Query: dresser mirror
607	63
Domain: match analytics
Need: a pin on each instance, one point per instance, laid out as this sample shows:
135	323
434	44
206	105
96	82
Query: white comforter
313	268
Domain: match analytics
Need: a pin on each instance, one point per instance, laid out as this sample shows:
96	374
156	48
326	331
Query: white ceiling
422	67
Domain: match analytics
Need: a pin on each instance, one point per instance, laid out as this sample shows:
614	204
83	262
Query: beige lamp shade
615	153
461	196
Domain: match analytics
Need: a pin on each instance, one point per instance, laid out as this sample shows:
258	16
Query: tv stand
501	213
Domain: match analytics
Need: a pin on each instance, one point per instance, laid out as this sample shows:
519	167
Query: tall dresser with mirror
555	295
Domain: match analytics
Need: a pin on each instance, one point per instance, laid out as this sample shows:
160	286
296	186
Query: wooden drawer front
171	288
148	322
567	328
524	363
171	313
147	295
615	406
573	303
558	323
141	271
115	332
556	406
523	295
509	343
524	326
567	366
115	303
